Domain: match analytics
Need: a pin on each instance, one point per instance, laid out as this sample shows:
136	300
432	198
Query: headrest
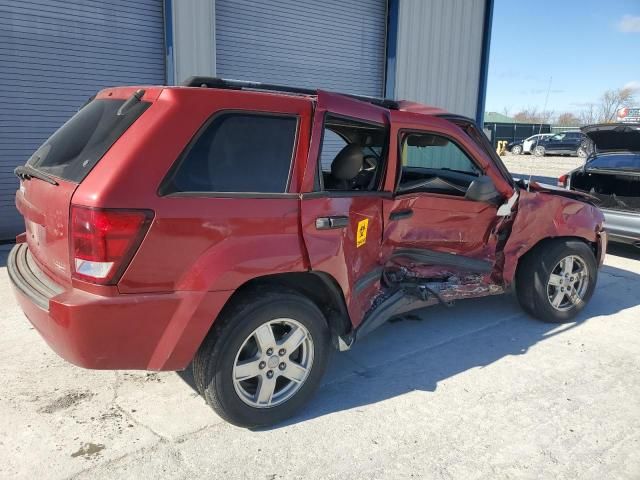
348	162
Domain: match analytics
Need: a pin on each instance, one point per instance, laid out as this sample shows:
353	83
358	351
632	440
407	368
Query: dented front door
437	234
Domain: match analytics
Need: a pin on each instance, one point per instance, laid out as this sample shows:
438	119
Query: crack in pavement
127	415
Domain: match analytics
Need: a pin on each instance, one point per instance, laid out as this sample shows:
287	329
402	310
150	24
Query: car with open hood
611	174
247	229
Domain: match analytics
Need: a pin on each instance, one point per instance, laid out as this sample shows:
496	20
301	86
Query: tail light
562	181
103	241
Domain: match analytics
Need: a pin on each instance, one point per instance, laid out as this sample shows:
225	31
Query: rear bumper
123	331
622	226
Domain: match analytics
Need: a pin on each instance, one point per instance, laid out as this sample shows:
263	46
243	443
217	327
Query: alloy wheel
273	363
568	283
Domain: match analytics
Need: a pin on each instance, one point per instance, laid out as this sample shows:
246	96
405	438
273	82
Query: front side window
237	152
432	163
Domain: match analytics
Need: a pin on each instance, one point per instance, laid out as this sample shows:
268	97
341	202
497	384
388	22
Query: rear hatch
614	137
54	171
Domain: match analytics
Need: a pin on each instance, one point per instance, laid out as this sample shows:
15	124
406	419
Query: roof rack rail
225	83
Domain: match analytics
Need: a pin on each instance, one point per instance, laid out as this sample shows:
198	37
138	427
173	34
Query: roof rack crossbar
216	82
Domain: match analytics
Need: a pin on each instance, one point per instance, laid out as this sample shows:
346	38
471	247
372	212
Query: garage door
56	54
334	44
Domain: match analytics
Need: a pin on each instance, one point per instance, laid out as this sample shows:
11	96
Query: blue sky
586	46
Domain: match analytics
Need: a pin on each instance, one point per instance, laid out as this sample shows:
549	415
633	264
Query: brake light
562	180
103	241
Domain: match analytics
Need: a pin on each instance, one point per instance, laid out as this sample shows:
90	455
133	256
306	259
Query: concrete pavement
476	391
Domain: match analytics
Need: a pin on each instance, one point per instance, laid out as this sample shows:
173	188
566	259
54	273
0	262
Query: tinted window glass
76	147
622	161
435	152
238	152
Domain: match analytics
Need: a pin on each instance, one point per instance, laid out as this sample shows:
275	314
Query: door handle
400	214
327	223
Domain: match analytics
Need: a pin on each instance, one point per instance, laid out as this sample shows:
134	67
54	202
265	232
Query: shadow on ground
409	355
623	250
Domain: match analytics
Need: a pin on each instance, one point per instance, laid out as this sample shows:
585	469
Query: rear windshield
622	161
76	147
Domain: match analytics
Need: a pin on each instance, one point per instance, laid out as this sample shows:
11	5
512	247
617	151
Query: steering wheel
366	176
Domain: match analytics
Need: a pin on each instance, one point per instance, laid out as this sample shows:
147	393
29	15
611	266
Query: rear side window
237	152
76	147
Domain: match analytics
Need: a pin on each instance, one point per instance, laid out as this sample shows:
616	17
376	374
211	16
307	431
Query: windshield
76	147
621	161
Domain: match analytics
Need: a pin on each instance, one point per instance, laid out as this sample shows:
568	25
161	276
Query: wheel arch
544	242
320	287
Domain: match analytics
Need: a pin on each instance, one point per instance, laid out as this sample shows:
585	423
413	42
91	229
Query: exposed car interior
352	157
431	163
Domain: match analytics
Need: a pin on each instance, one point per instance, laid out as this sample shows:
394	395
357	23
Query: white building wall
439	51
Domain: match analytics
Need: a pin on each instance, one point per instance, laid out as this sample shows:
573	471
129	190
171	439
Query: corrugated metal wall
194	38
333	44
54	55
439	50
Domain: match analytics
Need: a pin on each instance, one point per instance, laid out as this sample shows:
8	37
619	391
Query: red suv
247	229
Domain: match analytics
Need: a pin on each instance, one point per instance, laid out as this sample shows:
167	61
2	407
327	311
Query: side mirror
482	189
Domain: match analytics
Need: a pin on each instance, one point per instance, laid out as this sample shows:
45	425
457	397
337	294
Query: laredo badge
361	233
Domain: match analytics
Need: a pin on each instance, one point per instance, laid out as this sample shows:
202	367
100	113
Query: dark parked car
565	143
515	147
612	175
217	224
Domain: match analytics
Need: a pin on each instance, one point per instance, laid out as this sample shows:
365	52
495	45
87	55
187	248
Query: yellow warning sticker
361	234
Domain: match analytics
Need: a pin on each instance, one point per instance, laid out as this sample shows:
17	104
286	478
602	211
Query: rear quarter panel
202	242
623	226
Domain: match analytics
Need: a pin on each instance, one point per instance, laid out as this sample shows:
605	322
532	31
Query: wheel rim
516	150
273	363
539	151
568	283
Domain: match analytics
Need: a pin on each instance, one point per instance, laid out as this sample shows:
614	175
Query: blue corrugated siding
333	44
56	54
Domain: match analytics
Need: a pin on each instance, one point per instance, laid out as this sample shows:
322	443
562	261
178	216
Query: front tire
516	150
264	359
555	281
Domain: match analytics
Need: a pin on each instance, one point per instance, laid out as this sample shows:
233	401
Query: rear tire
539	151
245	368
556	279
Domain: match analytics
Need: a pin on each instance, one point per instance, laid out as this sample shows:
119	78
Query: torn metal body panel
541	215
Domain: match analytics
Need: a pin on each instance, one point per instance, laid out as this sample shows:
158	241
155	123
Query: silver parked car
611	173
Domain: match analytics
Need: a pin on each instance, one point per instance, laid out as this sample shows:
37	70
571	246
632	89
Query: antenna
546	100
